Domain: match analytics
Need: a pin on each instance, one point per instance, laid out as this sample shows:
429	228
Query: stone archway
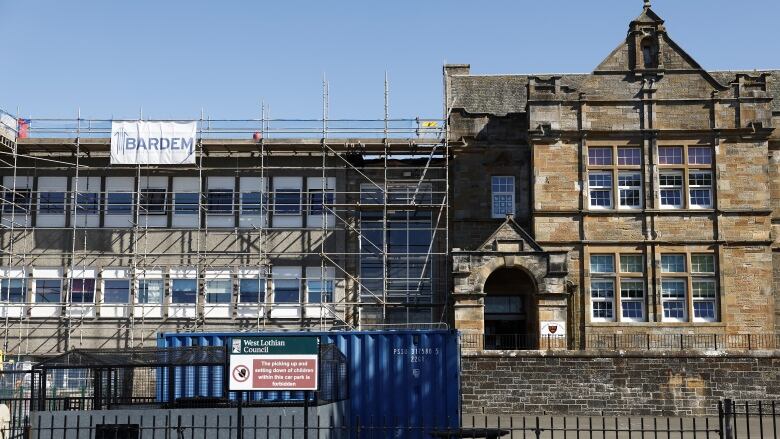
511	310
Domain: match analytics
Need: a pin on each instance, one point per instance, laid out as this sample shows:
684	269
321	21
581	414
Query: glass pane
150	291
12	290
218	291
670	155
631	263
674	310
503	205
320	291
503	184
629	156
116	291
604	289
286	291
599	156
316	201
152	201
82	291
672	263
87	203
704	310
184	291
702	263
47	290
602	310
602	264
18	201
287	201
251	290
52	202
703	289
700	155
119	203
503	305
251	203
632	289
185	203
673	289
632	310
220	201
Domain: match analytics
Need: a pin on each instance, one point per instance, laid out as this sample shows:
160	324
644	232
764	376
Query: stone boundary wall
614	383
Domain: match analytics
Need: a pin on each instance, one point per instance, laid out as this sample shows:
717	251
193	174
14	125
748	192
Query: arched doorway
511	320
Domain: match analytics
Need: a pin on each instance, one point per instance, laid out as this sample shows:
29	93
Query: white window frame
692	187
683	299
621	188
713	299
640	300
148	309
610	300
680	188
610	189
498	180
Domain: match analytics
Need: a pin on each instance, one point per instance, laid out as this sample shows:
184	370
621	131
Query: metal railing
732	421
624	342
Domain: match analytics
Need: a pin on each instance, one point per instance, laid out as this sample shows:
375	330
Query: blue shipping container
408	376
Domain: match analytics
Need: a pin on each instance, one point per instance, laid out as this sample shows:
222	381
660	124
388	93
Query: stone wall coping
623	354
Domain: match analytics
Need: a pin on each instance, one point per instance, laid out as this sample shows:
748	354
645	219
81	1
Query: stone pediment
509	237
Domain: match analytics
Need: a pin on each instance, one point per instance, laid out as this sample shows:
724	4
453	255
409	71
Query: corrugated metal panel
410	376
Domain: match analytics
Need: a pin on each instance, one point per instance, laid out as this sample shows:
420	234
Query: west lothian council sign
273	363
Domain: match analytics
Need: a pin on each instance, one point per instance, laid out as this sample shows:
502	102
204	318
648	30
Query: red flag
23	128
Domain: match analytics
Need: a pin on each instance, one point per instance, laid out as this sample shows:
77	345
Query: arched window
650	53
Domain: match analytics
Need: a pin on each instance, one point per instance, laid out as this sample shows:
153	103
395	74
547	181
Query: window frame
174	302
617	275
106	290
509	191
220	208
17	201
622	159
48	210
298	207
691	162
691	274
108	204
144	202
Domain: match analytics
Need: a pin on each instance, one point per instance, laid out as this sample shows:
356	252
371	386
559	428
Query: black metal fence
735	420
666	342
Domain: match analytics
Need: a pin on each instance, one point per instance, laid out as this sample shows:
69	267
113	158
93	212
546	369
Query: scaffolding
372	243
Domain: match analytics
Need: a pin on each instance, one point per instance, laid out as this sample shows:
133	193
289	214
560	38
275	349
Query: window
116	291
318	198
503	305
218	291
150	291
17	201
48	290
185	203
630	190
320	290
600	187
629	278
12	290
286	291
673	300
220	201
503	196
602	291
184	291
700	189
251	290
673	263
631	264
253	203
699	155
152	201
287	202
685	177
670	155
671	187
51	202
602	264
602	296
703	288
87	203
600	156
632	300
82	290
629	156
119	203
699	281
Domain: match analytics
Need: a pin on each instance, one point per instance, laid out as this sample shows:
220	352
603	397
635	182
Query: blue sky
175	57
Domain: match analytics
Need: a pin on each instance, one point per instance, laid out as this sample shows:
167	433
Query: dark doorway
511	310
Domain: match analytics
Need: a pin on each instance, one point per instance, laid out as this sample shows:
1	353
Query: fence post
750	345
727	419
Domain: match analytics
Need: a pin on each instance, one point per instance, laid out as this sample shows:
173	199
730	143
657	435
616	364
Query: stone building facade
642	198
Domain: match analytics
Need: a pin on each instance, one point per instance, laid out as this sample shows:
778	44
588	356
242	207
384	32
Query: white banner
153	143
